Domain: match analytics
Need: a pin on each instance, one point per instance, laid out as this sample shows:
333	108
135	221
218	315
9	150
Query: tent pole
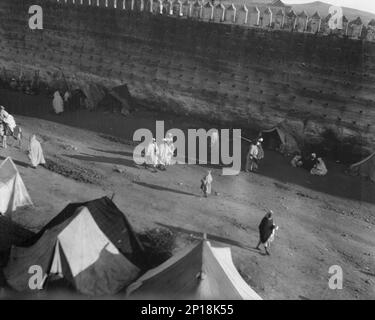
243	138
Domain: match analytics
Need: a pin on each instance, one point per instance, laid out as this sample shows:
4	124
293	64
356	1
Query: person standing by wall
58	103
251	158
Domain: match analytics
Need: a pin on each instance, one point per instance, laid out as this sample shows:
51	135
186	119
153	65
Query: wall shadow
160	188
120	153
103	159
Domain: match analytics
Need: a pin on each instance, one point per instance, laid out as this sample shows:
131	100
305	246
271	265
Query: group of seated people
315	165
30	87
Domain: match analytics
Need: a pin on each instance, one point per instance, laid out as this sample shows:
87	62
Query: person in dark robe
266	231
310	162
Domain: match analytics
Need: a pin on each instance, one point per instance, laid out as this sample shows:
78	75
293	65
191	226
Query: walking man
267	231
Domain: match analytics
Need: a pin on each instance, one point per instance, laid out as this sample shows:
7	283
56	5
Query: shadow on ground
160	188
102	159
120	153
18	163
209	237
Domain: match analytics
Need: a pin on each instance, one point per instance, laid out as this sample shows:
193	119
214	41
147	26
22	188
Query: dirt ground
323	221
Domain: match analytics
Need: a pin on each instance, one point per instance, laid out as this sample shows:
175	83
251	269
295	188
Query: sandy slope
317	229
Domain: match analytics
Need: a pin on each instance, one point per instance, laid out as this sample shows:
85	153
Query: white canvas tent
201	272
74	247
365	168
13	193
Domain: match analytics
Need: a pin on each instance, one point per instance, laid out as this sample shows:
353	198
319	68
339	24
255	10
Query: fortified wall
240	66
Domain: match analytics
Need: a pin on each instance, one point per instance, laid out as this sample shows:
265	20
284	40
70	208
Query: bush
159	244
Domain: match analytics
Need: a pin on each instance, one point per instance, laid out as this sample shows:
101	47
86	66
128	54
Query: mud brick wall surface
242	76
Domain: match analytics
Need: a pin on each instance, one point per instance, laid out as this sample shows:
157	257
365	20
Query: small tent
201	272
91	246
365	168
13	193
122	94
279	138
118	98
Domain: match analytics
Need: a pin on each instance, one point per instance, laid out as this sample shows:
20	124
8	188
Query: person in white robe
163	154
206	183
252	158
7	119
58	103
260	149
67	96
296	162
3	136
8	124
214	138
3	113
320	168
36	155
170	149
152	154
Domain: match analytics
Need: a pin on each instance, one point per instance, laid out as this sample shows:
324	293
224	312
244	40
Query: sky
365	5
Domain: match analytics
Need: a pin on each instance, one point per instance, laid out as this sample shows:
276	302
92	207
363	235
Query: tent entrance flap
365	168
280	138
271	139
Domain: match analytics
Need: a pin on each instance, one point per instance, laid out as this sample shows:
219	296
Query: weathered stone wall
220	71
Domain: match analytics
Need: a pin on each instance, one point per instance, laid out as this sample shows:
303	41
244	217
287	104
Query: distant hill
323	7
310	8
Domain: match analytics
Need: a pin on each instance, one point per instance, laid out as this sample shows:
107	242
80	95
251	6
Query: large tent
90	245
13	193
365	168
201	272
280	138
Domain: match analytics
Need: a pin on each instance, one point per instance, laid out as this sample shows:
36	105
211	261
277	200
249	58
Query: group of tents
92	248
116	99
